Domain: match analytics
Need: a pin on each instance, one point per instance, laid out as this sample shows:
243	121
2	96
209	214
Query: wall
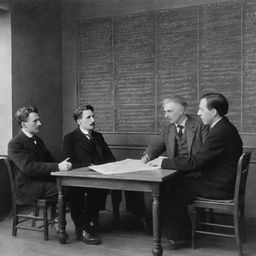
123	145
5	79
36	65
76	10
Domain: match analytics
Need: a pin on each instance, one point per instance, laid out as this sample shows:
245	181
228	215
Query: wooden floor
125	242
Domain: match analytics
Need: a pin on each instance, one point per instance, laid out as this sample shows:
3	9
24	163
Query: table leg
157	249
62	235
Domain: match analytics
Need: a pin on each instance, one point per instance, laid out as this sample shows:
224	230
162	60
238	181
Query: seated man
33	163
215	163
85	147
182	135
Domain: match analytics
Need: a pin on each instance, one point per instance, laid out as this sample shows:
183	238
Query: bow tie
34	140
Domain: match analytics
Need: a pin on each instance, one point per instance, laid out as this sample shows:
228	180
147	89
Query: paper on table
127	165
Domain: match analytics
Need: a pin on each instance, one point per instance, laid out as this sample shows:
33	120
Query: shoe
87	237
175	244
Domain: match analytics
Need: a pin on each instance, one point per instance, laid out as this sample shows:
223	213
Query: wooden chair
234	207
19	217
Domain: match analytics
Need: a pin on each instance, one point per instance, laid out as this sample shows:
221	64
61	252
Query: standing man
85	147
215	163
33	163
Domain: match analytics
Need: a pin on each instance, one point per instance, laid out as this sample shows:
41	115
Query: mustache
92	124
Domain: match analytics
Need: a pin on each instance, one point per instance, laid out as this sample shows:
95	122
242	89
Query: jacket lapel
190	131
82	140
98	148
171	139
30	145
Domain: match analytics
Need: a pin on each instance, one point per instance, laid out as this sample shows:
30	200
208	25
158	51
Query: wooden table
144	181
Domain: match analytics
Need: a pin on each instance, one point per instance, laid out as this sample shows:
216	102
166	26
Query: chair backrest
5	189
11	178
241	178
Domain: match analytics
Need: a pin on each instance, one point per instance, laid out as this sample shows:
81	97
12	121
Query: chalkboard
220	54
249	67
128	64
177	57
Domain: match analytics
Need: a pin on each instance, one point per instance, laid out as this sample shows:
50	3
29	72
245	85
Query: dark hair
22	114
79	111
217	101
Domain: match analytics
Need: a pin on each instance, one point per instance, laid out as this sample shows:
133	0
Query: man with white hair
183	134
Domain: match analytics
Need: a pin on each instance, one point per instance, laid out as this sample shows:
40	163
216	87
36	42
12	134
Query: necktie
180	130
88	136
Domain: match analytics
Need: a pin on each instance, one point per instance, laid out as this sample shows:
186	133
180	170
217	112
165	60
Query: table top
158	175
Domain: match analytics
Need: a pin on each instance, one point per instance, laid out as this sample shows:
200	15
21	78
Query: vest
181	148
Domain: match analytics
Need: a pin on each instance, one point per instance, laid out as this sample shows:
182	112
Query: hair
217	101
79	111
22	114
178	100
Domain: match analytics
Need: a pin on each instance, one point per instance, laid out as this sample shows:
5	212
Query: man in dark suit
85	147
33	163
182	135
215	163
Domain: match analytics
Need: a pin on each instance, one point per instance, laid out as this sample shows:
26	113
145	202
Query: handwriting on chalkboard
128	64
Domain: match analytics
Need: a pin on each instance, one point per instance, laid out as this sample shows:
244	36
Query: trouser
85	208
176	197
135	202
49	191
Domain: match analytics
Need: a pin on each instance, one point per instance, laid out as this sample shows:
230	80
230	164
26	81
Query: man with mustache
33	163
86	147
215	163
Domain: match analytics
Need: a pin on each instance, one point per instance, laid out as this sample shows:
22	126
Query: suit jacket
80	150
196	136
217	159
32	165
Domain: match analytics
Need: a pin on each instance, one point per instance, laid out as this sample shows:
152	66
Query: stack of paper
127	165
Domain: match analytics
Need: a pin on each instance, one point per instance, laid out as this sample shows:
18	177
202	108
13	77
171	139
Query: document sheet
124	166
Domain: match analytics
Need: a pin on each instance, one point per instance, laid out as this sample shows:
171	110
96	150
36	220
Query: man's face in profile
32	124
87	122
205	114
173	111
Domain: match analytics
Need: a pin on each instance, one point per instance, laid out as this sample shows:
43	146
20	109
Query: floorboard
127	241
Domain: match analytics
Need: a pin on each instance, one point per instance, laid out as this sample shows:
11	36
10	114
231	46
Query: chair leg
53	214
211	219
14	222
46	234
237	234
36	213
242	225
193	229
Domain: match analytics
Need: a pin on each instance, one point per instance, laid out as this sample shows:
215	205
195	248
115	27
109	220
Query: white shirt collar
214	123
84	131
27	133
